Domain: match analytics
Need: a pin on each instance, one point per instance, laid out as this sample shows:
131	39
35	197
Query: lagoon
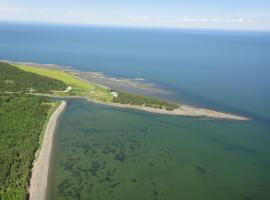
109	153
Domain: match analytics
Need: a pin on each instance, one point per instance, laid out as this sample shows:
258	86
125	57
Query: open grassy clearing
79	87
95	92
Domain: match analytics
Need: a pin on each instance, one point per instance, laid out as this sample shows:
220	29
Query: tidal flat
104	153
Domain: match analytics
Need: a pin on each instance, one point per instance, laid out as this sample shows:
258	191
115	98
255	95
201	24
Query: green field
83	88
79	87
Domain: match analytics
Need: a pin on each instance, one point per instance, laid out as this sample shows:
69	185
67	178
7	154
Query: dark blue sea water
118	154
224	70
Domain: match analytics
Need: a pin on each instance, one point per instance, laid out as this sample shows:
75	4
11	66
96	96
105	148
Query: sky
209	14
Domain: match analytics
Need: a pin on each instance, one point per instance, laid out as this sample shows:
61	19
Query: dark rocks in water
94	168
63	186
200	169
91	187
133	180
114	185
101	181
120	156
247	197
155	193
108	179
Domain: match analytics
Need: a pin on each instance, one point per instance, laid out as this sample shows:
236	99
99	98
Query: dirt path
39	178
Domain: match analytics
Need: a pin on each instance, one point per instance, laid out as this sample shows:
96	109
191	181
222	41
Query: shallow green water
117	154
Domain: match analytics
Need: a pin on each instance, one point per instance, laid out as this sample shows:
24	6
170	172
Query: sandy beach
185	110
39	178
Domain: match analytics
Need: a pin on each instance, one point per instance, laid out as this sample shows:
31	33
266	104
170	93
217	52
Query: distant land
80	88
28	111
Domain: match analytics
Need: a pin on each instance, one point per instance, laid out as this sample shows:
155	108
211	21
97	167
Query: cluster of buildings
69	88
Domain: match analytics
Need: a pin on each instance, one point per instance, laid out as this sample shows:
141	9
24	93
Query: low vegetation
132	99
90	90
79	87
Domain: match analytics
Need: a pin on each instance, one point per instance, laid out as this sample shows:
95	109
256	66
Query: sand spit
39	178
185	110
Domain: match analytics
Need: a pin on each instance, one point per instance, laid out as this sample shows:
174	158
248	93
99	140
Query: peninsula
31	117
79	88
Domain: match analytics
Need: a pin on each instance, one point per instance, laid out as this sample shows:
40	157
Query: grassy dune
79	87
66	77
93	91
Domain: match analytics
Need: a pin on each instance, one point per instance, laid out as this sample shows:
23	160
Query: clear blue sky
221	14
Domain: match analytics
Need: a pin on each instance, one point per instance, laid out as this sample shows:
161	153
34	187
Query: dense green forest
22	120
133	99
12	79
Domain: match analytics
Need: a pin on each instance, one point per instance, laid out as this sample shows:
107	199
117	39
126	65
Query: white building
68	89
114	94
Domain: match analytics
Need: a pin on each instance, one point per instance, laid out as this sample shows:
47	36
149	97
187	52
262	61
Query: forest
133	99
12	79
22	121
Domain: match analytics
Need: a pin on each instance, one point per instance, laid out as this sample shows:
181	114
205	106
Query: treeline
13	79
22	118
133	99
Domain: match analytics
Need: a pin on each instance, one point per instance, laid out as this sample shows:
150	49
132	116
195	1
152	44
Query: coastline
40	170
184	110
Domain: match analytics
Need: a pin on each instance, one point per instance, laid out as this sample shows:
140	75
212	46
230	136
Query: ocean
107	153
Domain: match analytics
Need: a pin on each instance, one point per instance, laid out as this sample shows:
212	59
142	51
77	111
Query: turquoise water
118	154
105	153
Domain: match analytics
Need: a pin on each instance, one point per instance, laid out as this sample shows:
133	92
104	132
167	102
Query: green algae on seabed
117	154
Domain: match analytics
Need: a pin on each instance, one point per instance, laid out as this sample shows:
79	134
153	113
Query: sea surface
107	153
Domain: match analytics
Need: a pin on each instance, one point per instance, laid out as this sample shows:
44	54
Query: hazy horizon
224	15
133	27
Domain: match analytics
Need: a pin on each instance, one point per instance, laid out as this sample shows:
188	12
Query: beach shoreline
184	110
40	170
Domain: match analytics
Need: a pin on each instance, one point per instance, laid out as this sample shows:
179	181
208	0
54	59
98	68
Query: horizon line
131	26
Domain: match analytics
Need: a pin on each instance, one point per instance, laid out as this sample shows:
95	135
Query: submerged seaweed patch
142	157
200	169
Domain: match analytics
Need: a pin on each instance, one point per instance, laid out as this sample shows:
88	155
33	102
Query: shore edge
184	110
40	170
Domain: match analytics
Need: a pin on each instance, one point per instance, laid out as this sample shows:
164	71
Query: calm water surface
219	69
118	154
